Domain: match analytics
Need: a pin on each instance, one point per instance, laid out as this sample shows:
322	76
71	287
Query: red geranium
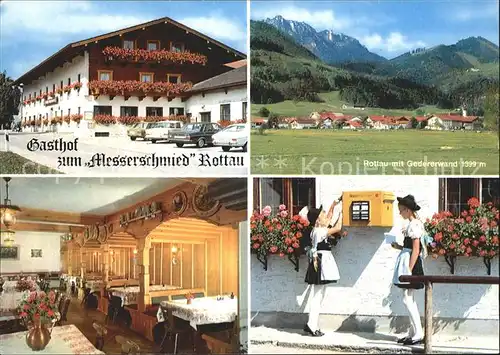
154	56
275	233
38	304
104	119
129	87
475	233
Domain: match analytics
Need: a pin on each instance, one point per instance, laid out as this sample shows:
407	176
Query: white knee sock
412	307
317	295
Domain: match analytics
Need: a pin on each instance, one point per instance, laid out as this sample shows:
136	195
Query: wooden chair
128	346
64	311
222	342
172	331
101	331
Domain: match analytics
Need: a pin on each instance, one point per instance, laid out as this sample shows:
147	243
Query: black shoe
316	333
402	340
308	330
320	332
413	342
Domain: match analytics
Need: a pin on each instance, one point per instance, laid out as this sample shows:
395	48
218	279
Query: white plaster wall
71	100
366	265
212	101
50	260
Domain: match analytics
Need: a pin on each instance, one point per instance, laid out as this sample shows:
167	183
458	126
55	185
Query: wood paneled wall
211	264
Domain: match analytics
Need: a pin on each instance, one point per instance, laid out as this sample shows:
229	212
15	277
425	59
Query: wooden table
66	339
130	294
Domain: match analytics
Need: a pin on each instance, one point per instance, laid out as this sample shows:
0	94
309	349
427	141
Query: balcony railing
158	56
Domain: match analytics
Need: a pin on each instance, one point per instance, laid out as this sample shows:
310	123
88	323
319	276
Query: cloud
480	11
52	19
217	26
320	20
394	42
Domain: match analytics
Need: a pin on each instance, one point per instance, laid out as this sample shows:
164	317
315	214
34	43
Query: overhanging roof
232	78
72	49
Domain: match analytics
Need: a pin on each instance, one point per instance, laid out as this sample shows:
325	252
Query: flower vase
189	301
38	336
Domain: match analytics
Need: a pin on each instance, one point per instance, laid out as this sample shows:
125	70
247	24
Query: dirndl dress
415	231
328	271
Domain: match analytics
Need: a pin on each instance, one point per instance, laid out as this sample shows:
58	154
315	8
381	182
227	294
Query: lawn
12	163
338	152
332	103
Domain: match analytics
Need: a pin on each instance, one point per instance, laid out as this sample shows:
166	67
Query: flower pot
189	301
38	336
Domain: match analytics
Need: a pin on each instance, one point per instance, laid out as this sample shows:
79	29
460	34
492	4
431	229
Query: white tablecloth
205	310
11	300
66	339
130	294
9	286
94	285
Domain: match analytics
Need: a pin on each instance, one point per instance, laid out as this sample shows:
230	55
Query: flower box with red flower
67	119
137	88
67	88
105	120
473	233
128	120
157	56
39	98
45	121
77	85
276	233
76	118
52	94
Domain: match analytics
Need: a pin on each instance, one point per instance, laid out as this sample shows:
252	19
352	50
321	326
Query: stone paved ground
334	342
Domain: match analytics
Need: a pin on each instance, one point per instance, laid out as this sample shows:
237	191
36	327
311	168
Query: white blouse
318	235
415	229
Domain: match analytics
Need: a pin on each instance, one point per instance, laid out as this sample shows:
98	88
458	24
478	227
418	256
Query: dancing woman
409	262
322	269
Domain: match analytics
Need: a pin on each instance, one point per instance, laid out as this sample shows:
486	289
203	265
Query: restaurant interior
123	265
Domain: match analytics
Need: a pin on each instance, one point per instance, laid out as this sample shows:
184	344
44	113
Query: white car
158	131
234	136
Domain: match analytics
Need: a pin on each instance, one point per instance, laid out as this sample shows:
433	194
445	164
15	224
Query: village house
159	69
364	299
453	122
301	123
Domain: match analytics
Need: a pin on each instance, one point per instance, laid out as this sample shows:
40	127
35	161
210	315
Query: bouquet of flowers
189	297
25	285
276	233
473	233
39	304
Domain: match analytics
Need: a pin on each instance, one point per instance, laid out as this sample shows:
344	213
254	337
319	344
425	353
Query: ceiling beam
38	215
39	227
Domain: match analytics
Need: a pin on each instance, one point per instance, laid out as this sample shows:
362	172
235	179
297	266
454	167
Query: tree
273	120
491	109
414	122
10	97
264	112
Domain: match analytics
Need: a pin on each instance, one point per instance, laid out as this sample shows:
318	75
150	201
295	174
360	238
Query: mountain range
423	65
284	68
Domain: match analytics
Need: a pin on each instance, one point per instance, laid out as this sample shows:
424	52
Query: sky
31	31
392	27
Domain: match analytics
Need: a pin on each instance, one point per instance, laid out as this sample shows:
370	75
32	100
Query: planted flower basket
472	234
276	233
67	119
128	120
156	56
76	118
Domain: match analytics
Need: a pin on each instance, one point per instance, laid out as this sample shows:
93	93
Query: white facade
80	102
73	102
211	102
366	266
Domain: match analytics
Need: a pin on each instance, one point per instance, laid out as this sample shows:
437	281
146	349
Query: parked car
199	134
234	136
158	131
137	131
